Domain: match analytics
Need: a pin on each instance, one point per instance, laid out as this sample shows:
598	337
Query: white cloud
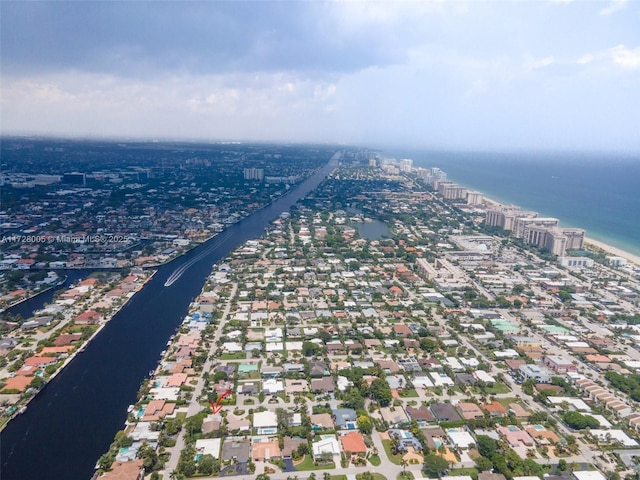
618	56
614	6
531	63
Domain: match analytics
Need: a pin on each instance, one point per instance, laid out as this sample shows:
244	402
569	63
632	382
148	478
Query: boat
130	408
22	410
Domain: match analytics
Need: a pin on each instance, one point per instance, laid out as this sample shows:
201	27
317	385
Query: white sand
607	248
613	250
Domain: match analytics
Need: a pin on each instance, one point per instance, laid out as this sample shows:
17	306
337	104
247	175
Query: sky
488	75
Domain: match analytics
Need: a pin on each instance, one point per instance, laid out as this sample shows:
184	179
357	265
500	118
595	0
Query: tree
381	392
434	465
105	462
487	446
149	457
484	464
364	424
206	464
578	421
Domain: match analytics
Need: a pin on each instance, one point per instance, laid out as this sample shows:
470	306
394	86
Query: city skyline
456	75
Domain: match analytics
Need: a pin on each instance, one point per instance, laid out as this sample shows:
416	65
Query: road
194	406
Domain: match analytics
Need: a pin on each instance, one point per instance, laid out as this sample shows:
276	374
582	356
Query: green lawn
308	464
408	393
457	472
338	477
375	476
405	476
396	459
233	356
375	460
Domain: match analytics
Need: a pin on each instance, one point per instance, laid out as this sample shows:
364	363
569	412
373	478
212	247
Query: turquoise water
595	191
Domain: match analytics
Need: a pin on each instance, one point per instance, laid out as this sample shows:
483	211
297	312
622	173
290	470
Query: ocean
599	192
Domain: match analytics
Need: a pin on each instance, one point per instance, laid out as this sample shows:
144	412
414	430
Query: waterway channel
73	420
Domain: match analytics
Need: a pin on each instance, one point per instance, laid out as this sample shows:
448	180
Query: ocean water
595	191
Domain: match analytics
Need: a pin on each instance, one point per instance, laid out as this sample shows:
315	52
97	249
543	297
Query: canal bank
74	419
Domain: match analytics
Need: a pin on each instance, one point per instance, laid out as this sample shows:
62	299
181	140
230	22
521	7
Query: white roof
210	446
265	419
615	435
326	445
589	475
461	439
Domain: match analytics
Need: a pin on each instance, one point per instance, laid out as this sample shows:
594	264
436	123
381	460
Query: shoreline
615	251
602	244
606	247
72	356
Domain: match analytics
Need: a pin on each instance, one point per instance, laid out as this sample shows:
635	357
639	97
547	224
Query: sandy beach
613	250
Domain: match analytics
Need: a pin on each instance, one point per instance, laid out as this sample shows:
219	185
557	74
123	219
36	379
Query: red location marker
217	407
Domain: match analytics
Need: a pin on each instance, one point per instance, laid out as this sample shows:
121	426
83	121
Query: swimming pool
538	428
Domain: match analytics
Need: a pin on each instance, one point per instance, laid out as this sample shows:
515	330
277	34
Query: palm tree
404	464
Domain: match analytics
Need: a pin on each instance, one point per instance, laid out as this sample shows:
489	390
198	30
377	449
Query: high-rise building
474	198
253	174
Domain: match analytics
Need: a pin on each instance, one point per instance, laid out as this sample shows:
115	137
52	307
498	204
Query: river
73	420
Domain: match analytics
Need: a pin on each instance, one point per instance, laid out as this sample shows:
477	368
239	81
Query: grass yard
308	464
458	472
375	460
395	459
408	393
233	356
405	476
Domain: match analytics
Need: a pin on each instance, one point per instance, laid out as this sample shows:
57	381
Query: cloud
144	39
614	6
618	56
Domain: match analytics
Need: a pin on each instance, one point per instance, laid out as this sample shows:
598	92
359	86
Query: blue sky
435	74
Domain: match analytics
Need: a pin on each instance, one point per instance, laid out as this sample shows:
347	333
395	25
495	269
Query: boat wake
178	272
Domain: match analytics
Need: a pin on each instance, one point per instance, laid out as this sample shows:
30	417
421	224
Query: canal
73	420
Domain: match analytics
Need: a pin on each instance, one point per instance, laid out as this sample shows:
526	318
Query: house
405	439
422	414
353	443
291	444
88	318
345	418
318	368
266	423
19	383
460	438
324	384
444	412
296	386
469	410
209	446
321	421
516	437
265	450
328	445
237	424
157	409
495	409
133	470
272	386
239	450
395	416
